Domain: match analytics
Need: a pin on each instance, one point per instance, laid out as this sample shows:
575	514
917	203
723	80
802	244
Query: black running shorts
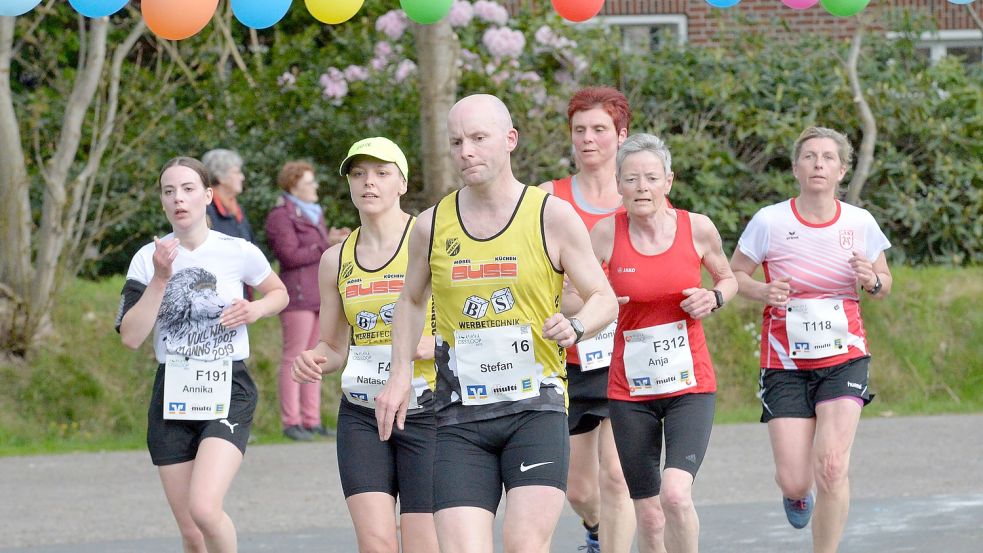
795	393
402	466
475	459
639	426
588	392
173	441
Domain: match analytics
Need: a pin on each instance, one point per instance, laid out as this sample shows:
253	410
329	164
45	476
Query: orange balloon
177	19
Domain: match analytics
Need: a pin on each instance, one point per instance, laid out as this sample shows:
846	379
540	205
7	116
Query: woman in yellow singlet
360	280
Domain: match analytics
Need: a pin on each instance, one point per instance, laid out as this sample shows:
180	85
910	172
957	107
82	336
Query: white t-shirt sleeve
756	238
142	265
255	266
874	238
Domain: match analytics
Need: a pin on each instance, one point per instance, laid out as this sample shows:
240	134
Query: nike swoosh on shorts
523	467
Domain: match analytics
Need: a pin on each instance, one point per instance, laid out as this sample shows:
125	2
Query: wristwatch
720	299
578	329
873	290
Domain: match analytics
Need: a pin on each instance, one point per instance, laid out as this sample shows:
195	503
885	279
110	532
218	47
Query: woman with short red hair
598	120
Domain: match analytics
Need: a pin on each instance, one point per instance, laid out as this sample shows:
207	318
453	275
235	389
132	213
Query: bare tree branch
83	182
865	157
29	33
232	48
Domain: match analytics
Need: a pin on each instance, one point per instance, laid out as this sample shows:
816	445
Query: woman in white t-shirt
816	253
187	288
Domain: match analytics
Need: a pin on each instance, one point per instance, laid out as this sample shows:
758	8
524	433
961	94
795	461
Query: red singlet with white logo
654	285
816	257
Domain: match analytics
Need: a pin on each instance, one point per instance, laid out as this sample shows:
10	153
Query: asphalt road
917	487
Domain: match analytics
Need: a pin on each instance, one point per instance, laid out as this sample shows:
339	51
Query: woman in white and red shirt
816	252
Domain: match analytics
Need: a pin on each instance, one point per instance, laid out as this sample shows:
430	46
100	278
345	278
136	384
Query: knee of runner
831	469
580	495
650	515
612	480
207	516
676	499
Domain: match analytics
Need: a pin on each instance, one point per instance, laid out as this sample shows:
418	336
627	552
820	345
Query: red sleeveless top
654	285
563	189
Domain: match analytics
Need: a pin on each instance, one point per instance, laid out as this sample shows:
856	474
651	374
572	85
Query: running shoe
799	511
297	433
591	545
321	430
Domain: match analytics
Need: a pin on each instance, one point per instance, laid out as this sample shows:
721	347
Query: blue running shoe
799	511
591	545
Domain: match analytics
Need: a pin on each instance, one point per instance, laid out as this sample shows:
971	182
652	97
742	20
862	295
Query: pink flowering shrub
490	12
503	42
393	24
461	13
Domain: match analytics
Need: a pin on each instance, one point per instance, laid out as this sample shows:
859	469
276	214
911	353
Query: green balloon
844	8
426	11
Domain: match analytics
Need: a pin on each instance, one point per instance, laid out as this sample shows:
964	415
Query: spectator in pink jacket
297	234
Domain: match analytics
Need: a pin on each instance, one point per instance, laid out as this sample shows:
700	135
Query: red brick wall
705	22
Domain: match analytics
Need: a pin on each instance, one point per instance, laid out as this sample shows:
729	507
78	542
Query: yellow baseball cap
378	147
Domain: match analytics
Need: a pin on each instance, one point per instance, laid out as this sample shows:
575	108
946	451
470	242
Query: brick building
644	22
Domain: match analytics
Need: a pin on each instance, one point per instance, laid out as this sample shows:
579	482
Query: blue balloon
260	14
723	3
17	7
97	8
961	1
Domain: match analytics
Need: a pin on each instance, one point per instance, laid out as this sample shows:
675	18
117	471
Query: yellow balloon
333	12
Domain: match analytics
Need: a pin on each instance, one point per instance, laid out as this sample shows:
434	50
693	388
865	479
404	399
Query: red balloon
577	10
177	19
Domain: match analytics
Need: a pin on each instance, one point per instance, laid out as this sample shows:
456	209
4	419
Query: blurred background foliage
729	113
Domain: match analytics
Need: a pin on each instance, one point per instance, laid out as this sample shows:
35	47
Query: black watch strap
578	328
720	299
873	290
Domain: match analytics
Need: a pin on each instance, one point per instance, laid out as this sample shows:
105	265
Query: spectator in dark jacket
297	234
224	212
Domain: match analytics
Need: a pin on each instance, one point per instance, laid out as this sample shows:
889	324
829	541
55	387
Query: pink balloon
800	4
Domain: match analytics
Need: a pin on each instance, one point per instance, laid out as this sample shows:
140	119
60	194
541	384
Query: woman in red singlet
661	380
598	118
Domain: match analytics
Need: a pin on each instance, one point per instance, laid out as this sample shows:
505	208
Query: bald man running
494	254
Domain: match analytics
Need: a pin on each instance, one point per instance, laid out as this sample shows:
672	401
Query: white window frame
677	20
939	42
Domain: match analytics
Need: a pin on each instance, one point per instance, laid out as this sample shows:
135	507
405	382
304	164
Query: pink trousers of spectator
299	403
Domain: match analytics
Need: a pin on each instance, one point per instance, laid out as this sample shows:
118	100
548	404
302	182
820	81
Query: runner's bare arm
139	321
569	248
408	320
547	186
774	293
700	302
274	299
332	347
868	273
